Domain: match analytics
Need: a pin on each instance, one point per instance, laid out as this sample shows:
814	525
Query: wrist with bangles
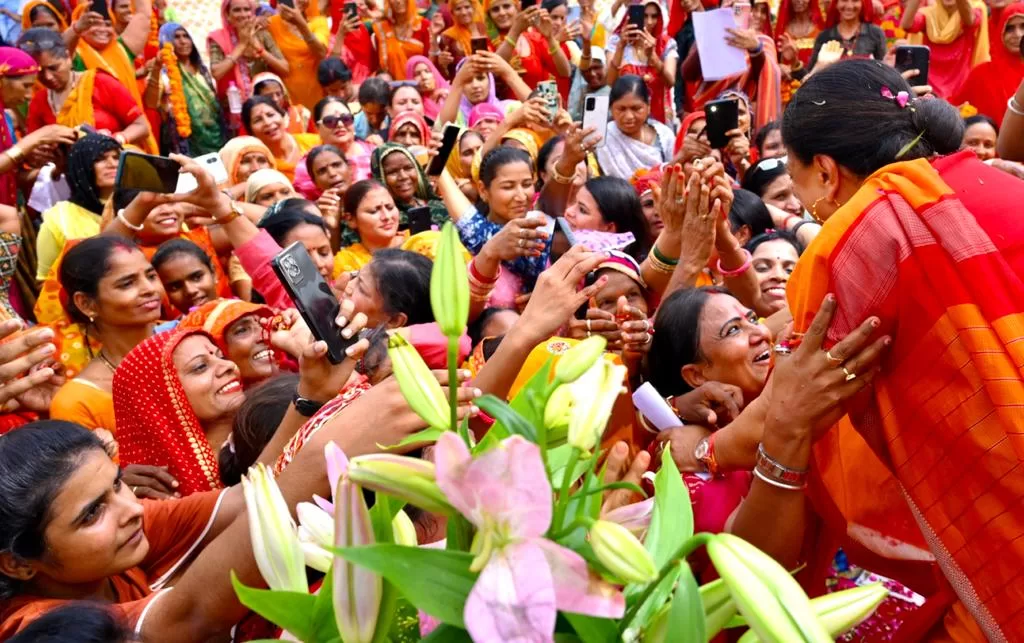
772	472
660	263
559	177
128	224
1014	106
735	272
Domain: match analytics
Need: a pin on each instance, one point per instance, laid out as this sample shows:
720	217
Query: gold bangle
16	153
559	177
660	266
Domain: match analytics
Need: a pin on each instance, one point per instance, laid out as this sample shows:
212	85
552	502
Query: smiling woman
237	330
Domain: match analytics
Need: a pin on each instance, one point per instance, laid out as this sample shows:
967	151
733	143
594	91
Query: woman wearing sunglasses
335	124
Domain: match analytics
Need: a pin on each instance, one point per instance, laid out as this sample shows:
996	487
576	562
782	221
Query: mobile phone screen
451	135
137	171
478	44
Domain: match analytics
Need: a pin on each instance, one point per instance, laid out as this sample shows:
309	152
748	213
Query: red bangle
748	259
479	277
712	461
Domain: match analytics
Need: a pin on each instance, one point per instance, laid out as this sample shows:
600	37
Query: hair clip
902	98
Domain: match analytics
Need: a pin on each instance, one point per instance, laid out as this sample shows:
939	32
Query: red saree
936	252
991	84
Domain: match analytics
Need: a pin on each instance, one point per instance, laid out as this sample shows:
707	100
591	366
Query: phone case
722	116
148	173
595	114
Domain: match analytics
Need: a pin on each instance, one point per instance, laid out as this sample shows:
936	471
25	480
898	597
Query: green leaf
436	581
322	621
291	611
445	633
382	513
426	435
672	518
654	600
591	629
460	534
488	442
686	616
558	461
510	421
617	485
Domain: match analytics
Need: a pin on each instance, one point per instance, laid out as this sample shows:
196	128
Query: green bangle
511	43
662	258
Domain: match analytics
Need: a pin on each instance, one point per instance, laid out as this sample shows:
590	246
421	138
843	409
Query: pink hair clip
902	98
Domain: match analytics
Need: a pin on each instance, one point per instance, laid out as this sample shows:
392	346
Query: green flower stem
453	388
563	494
695	541
584	522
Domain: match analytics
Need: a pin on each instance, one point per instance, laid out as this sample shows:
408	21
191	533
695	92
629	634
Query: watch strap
305	406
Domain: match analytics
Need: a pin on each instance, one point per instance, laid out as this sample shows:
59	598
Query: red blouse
114	109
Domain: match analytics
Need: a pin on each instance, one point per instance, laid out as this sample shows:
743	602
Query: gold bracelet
660	266
559	177
16	154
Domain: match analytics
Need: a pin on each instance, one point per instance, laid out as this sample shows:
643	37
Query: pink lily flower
524	578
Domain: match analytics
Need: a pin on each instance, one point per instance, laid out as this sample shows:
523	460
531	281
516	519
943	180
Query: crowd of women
830	300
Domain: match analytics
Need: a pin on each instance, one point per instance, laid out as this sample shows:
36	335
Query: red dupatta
13	62
154	419
929	457
655	82
991	84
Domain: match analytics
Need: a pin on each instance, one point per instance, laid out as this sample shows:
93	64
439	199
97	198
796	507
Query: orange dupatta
937	440
301	81
393	52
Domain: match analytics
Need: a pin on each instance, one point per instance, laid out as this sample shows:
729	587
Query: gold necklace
103	358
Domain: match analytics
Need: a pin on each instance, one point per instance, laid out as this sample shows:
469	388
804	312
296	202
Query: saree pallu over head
200	90
943	26
226	38
301	82
930	457
235	150
991	84
155	421
463	35
13	62
214	317
53	7
431	108
393	52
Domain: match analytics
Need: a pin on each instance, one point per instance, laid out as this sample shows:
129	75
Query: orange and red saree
933	251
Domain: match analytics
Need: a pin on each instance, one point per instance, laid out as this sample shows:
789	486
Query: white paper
718	59
654	407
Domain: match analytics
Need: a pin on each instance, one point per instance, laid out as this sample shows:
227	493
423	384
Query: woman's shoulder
307	141
82	401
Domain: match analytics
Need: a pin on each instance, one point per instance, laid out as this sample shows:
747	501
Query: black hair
498	158
762	134
356	192
36	461
676	340
321	105
475	330
546	150
841	112
551	5
749	210
317	151
258	87
39	40
84	265
980	118
251	104
375	90
76	622
758	178
394	89
620	204
175	247
287	216
629	84
403	281
332	70
254	425
775	235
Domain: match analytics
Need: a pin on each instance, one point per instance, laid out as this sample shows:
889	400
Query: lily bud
595	393
718	606
275	541
419	387
316	557
575	361
317	523
621	553
449	284
402	529
408	479
357	590
558	411
839	612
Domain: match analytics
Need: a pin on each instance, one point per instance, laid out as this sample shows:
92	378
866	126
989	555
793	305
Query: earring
814	209
91	319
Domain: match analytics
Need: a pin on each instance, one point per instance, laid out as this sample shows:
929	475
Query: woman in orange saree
924	471
402	33
301	34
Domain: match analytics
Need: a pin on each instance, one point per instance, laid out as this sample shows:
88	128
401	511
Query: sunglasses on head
770	165
330	122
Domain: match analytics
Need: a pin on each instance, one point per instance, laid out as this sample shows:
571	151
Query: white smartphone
595	114
212	164
549	225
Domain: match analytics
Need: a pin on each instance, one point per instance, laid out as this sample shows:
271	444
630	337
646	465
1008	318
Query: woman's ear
16	568
693	374
828	173
484	193
85	303
398	320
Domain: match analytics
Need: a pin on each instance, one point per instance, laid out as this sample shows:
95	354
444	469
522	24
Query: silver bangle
777	484
1012	105
123	219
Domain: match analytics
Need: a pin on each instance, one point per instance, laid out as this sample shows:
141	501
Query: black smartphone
588	280
913	57
417	220
636	15
451	134
100	7
351	10
722	116
526	4
287	3
478	44
148	173
87	128
313	298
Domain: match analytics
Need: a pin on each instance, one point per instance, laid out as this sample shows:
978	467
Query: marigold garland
179	105
153	42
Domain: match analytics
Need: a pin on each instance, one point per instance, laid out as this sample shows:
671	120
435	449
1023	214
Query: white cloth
46	192
621	155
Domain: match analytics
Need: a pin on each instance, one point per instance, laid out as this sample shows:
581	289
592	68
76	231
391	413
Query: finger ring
782	350
588	326
680	200
849	375
522	242
647	326
522	233
833	359
648	338
133	490
589	333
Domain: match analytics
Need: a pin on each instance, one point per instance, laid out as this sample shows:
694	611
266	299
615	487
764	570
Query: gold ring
589	333
588	326
835	360
133	490
521	243
849	375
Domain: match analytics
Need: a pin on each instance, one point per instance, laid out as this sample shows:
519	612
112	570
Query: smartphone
526	4
595	114
913	57
138	171
589	280
100	7
287	3
351	10
313	298
549	225
214	167
479	44
417	220
87	128
451	134
548	89
566	229
636	15
741	13
722	116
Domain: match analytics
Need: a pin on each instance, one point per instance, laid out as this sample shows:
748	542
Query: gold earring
814	209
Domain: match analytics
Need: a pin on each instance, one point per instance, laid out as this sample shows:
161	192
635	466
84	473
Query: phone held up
722	117
917	57
148	173
548	90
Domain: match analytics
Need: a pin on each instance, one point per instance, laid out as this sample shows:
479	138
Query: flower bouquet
528	555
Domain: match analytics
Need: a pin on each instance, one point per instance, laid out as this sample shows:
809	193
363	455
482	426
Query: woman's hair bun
941	123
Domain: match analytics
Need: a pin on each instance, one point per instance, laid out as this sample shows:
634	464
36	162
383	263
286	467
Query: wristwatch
305	406
236	211
704	453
